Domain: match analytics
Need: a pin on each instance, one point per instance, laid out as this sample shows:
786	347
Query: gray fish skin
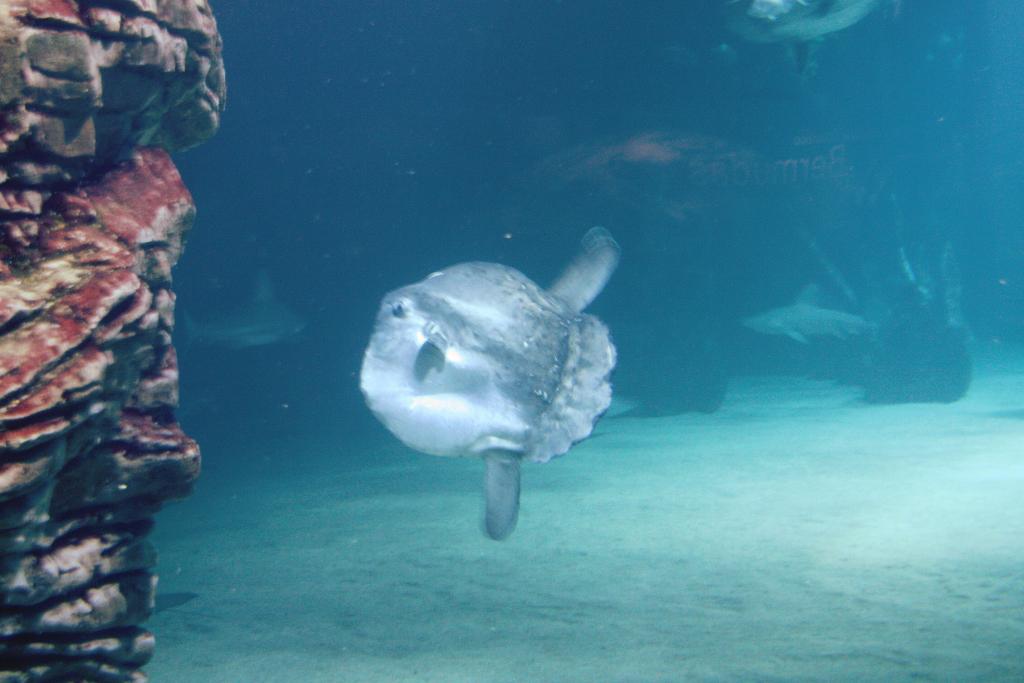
512	355
478	361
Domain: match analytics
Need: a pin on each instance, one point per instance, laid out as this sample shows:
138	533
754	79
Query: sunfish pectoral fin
501	493
588	273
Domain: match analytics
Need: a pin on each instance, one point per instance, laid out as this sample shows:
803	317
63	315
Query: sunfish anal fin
501	492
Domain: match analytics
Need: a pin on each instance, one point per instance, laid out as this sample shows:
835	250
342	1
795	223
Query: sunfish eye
398	309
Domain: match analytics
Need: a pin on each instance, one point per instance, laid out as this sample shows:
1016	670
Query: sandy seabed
796	534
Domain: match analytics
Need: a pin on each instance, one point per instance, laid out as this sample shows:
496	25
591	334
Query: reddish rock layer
92	217
88	443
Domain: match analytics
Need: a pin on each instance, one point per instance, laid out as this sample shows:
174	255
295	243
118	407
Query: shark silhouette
262	321
805	318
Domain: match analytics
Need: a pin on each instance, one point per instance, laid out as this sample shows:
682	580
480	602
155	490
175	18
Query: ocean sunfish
478	361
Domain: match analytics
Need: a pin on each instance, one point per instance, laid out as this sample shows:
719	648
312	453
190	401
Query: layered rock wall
93	215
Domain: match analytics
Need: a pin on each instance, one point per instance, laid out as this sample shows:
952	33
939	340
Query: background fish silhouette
263	320
806	318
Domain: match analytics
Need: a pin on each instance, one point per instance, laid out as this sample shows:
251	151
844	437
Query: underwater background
801	504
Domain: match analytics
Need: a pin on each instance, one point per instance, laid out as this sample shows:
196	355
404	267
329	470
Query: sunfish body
804	318
478	361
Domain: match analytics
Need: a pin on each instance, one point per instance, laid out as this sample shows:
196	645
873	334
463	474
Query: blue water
367	144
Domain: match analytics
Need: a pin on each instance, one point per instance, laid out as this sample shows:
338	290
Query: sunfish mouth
431	358
433	354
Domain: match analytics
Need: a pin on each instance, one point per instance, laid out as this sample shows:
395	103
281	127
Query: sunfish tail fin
586	276
501	491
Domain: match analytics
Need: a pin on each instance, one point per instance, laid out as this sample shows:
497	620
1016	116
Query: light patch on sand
797	533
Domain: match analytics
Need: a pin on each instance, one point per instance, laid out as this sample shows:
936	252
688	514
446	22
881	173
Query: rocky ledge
93	214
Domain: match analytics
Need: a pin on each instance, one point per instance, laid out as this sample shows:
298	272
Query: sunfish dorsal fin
586	276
